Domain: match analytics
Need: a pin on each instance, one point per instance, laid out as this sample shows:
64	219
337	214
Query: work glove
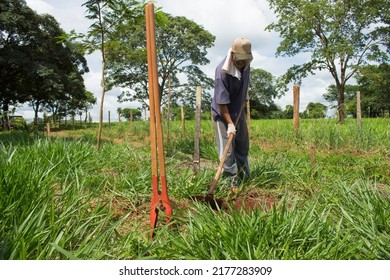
231	129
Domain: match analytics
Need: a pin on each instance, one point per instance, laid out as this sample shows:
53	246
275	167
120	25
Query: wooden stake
182	119
196	160
358	110
48	128
296	107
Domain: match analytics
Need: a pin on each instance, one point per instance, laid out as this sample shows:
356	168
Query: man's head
241	52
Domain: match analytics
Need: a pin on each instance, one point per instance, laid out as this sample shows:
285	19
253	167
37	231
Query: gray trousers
236	162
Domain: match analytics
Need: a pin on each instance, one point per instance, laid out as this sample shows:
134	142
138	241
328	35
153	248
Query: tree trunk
6	125
340	103
101	111
103	50
36	108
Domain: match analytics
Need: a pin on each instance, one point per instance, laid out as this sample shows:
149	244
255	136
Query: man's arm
223	108
226	116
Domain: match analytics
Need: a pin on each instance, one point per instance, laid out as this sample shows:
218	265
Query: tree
35	67
17	27
374	85
349	98
128	112
98	11
189	113
261	93
106	16
57	68
315	111
289	112
181	45
340	35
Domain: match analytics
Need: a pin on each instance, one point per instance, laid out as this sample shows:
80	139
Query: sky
225	19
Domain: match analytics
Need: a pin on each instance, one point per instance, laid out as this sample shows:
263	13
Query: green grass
336	225
60	198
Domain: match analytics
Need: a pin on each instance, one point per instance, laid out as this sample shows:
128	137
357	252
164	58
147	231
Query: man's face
239	63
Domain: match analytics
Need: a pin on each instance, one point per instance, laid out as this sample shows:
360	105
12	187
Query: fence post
358	110
196	160
48	128
109	119
296	106
182	119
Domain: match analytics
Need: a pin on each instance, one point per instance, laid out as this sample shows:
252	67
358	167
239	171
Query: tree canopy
339	35
315	110
373	82
34	66
374	85
262	91
182	47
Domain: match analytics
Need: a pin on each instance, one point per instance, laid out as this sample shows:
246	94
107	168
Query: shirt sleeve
221	93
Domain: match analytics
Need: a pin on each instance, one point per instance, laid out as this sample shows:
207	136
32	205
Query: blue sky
225	19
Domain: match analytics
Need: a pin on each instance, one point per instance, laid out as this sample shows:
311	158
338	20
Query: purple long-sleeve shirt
231	91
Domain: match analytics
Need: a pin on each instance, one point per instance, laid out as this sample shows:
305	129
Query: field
322	192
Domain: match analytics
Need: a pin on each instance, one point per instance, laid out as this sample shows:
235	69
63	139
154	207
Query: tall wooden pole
358	110
296	107
182	119
196	160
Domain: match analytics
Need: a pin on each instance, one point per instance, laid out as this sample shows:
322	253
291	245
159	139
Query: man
230	95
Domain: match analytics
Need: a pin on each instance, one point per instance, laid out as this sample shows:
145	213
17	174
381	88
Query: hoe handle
220	167
223	158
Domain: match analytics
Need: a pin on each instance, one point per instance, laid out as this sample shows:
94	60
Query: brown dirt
138	214
255	199
58	133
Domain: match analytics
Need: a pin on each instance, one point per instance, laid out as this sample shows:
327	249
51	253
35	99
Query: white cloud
40	6
70	14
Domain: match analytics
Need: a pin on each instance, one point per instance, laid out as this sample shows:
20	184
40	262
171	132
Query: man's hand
231	129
